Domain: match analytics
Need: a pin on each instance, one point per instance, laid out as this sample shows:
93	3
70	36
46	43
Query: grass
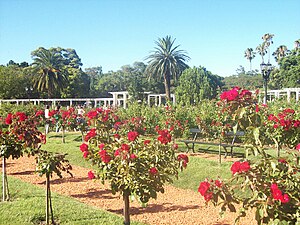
27	206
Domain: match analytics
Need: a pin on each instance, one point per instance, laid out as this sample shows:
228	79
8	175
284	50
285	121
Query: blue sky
113	33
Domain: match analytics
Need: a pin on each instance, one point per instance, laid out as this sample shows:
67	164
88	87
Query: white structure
120	98
97	101
158	98
285	93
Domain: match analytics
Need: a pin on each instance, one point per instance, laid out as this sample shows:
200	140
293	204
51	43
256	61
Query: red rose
117	153
8	119
104	156
164	136
218	183
92	114
235	168
277	194
146	142
132	135
208	196
244	167
282	161
91	175
101	146
298	147
153	170
285	198
184	158
133	156
39	113
85	154
22	116
203	187
125	147
117	136
175	146
84	147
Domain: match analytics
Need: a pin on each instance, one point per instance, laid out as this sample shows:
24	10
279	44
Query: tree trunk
126	208
3	179
82	135
63	134
167	83
47	197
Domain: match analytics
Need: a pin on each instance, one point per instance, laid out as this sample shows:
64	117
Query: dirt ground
176	206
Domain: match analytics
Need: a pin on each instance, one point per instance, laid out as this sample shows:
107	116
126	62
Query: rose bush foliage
268	184
131	163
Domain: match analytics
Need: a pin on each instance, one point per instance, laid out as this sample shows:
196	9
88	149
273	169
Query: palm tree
268	41
261	50
250	54
166	61
280	52
48	67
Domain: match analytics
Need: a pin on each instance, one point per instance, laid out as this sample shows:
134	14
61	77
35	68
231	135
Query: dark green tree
196	84
94	75
166	61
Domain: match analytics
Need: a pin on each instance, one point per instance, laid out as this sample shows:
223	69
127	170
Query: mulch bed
175	206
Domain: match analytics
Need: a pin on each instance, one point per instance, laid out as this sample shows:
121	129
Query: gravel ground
176	206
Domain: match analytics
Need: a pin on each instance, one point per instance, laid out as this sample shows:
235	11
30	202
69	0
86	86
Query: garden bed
175	206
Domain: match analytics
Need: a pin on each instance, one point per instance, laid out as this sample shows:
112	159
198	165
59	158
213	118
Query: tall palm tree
261	50
268	40
280	52
166	61
250	54
48	67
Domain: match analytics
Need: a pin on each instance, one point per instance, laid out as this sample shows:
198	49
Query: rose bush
133	165
19	135
268	184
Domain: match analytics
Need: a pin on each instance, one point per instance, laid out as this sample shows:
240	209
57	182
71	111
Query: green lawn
27	206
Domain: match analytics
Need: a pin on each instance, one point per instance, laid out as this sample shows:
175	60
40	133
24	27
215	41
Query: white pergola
284	93
158	98
120	98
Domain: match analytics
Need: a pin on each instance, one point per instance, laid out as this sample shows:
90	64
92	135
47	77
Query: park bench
195	132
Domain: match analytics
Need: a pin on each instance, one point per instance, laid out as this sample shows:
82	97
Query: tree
287	76
280	52
268	40
261	50
94	74
166	61
250	54
49	72
13	82
196	84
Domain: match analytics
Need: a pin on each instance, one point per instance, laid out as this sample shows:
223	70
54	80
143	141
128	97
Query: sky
114	33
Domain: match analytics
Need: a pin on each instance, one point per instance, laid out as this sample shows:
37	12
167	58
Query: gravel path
176	206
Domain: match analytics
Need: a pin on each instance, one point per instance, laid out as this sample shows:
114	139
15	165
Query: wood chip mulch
176	206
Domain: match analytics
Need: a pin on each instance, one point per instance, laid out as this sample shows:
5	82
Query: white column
124	100
288	92
297	96
159	100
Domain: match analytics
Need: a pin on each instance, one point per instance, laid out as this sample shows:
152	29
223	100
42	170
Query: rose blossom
8	119
91	175
133	156
203	187
132	135
146	142
239	167
298	147
153	170
84	147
